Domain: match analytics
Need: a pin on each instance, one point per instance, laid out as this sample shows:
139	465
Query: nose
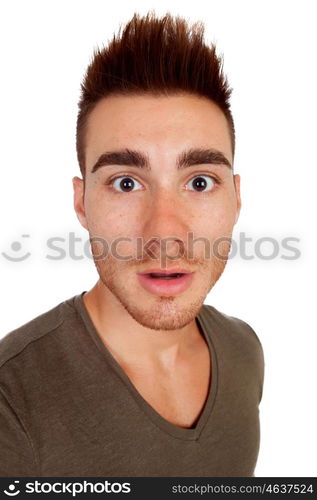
167	220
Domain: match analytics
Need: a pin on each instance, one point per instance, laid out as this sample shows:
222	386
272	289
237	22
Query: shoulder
236	343
235	329
18	341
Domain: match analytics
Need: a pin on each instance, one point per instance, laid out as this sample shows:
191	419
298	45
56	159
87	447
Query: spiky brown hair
160	56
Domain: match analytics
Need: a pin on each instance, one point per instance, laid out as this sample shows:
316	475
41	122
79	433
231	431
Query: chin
165	313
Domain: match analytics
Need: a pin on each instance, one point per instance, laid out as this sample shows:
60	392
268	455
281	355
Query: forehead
156	124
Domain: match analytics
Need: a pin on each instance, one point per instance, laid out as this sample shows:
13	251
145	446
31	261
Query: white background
269	53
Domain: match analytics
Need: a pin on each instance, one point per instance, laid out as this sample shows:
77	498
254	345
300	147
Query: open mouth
165	276
166	284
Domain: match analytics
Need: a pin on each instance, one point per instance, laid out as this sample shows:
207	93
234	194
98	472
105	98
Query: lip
166	271
164	287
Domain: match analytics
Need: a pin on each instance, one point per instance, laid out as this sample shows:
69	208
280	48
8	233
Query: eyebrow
188	158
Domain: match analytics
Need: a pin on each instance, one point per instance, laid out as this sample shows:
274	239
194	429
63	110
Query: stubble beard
159	312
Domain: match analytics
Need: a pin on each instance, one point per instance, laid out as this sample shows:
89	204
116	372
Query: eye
124	184
201	184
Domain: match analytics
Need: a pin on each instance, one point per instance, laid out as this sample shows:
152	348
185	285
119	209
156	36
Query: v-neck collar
171	429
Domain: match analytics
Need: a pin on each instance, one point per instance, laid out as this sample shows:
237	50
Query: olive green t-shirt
67	408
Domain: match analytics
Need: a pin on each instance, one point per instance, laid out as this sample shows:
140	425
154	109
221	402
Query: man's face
161	202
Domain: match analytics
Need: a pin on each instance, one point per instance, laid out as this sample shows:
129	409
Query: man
138	377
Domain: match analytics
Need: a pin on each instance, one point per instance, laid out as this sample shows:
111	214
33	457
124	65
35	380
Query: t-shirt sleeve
16	452
259	357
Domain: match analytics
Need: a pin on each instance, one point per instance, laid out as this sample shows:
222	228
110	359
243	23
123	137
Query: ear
79	193
236	179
